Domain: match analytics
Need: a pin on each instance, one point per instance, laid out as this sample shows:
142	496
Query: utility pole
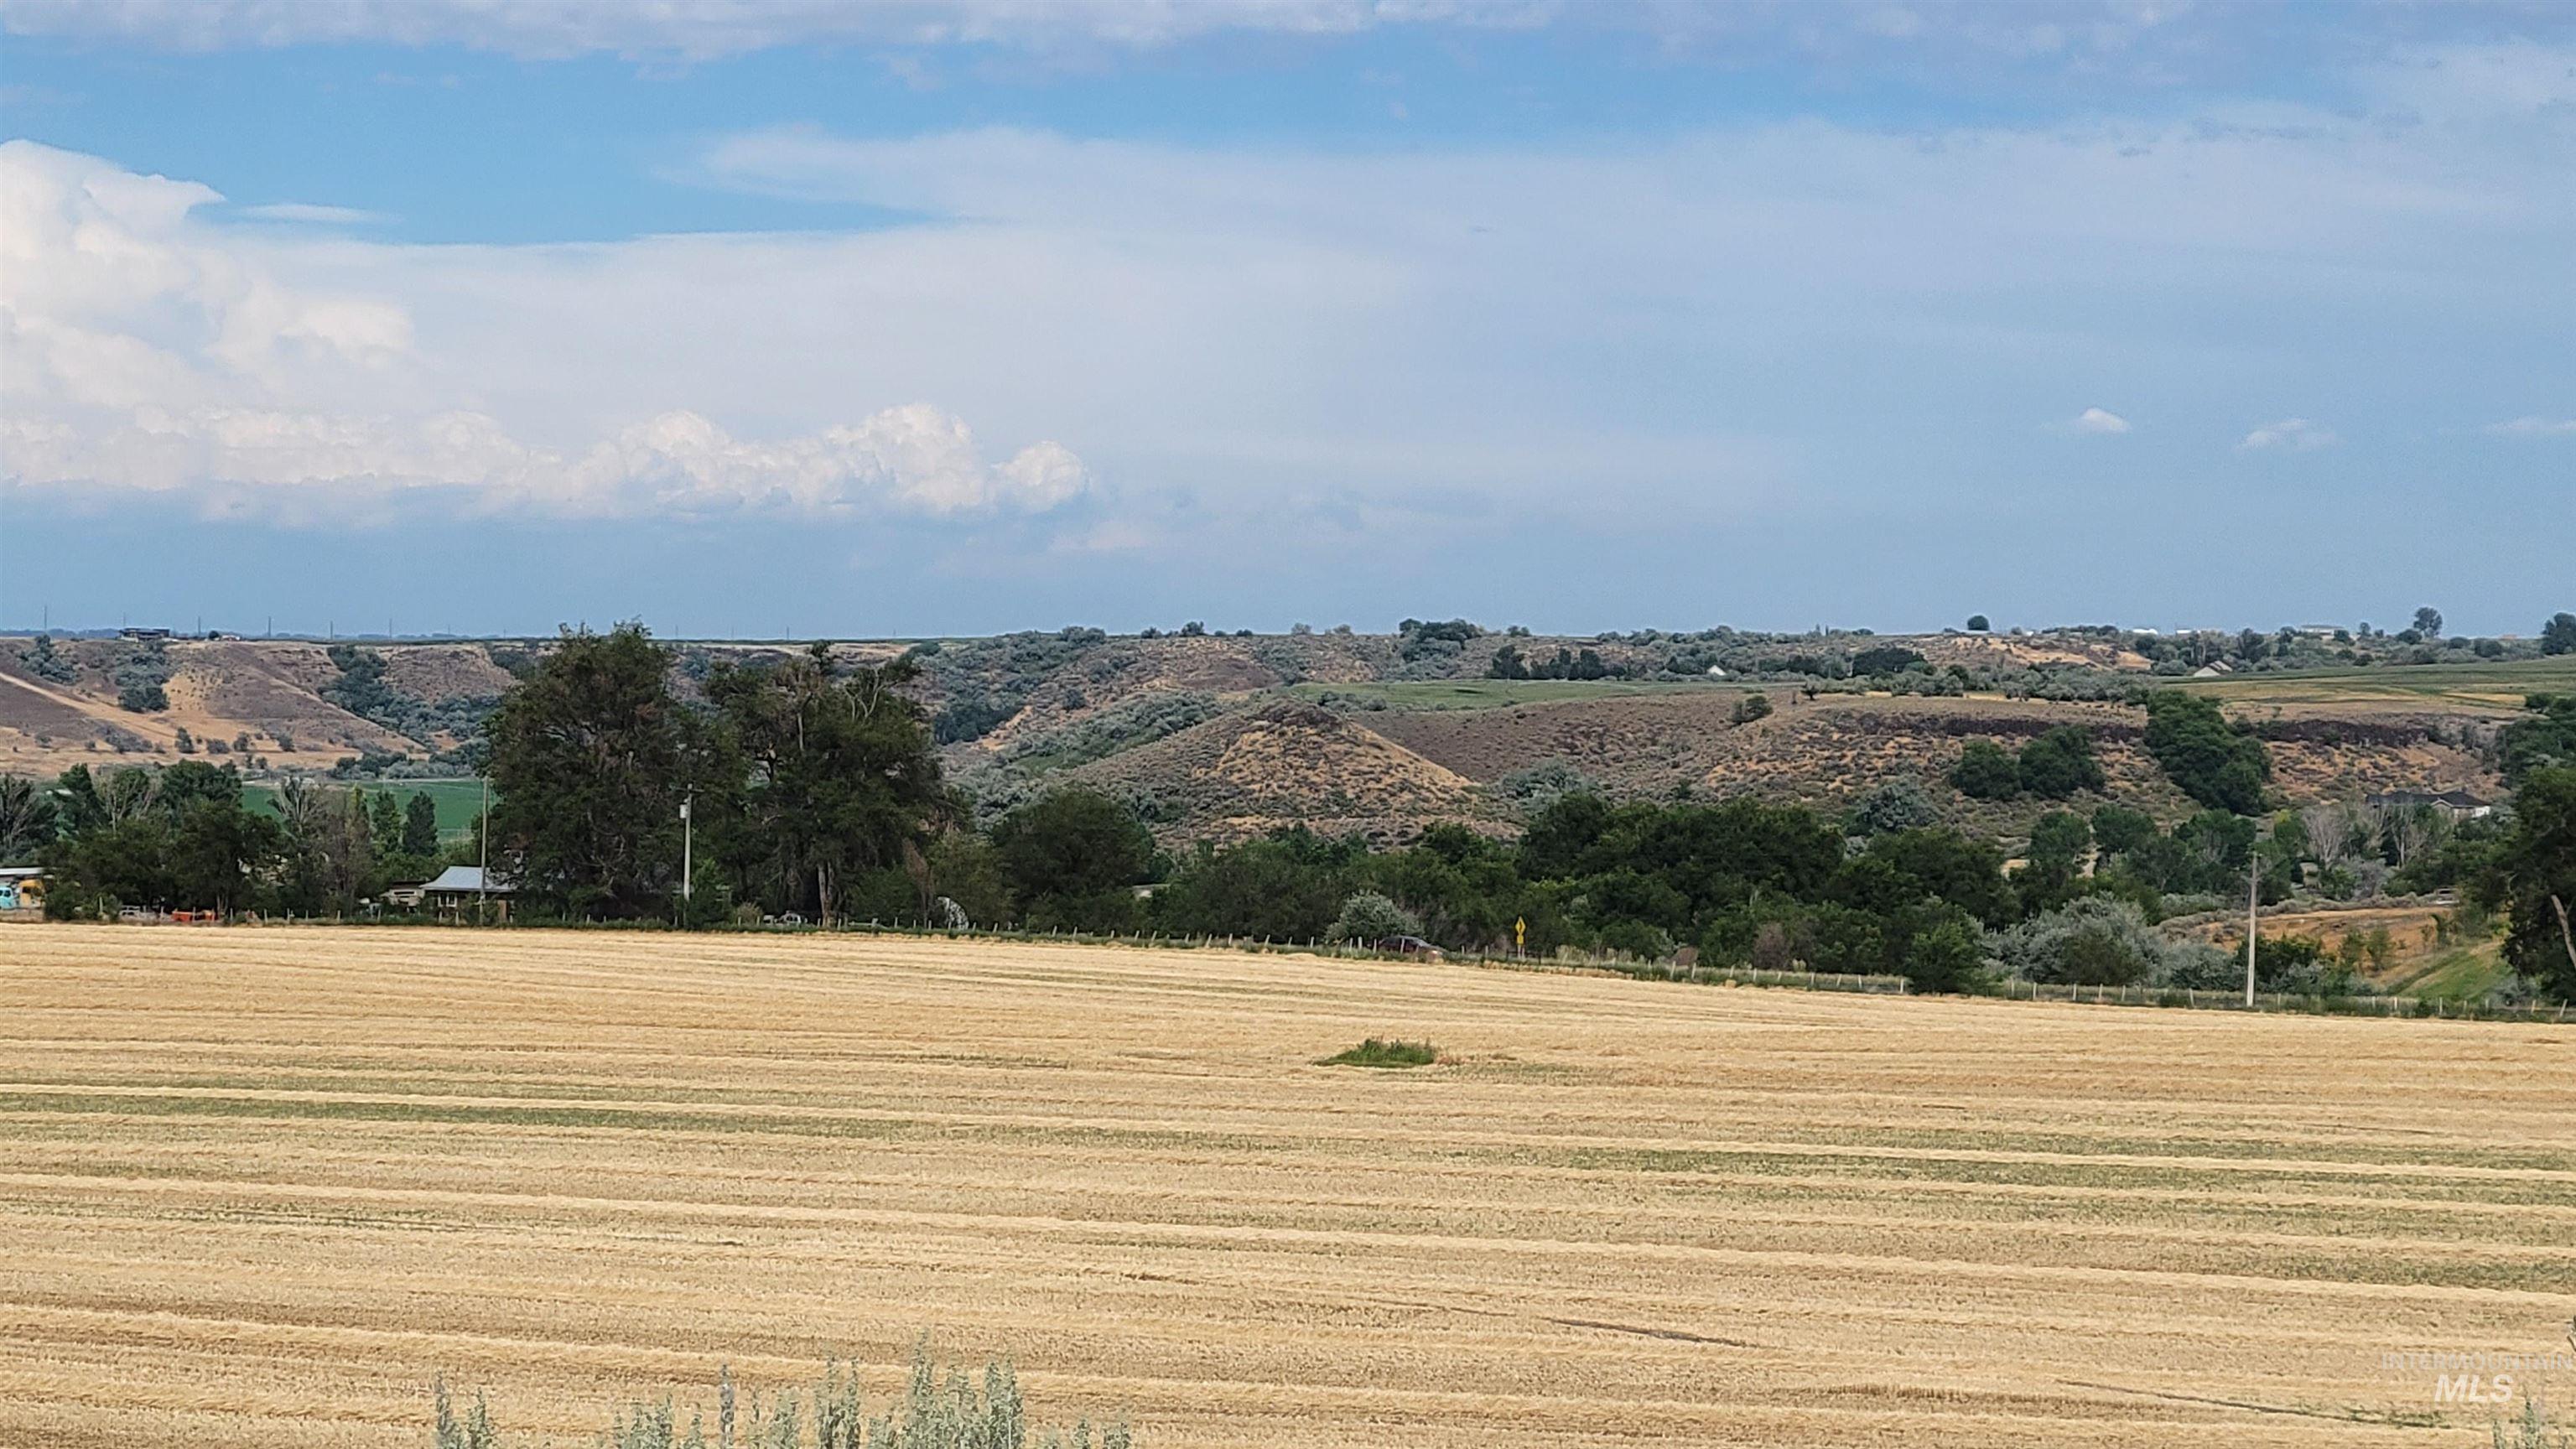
483	872
2253	905
686	833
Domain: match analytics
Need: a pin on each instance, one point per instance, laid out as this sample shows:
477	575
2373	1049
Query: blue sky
931	316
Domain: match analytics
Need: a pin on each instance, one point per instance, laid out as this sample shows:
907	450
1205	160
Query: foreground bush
954	1412
2103	941
1376	1052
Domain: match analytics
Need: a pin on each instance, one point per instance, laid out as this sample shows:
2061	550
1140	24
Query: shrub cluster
2053	766
954	1410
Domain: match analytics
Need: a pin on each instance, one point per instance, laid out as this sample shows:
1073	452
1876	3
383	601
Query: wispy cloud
2535	427
2099	422
2149	42
2290	435
307	213
704	29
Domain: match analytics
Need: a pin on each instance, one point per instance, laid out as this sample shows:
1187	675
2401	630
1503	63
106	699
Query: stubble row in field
258	1186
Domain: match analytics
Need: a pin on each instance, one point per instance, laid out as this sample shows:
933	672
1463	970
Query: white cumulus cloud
150	350
2100	421
2290	435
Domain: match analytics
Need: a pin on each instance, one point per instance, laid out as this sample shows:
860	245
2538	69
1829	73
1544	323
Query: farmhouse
463	888
2458	804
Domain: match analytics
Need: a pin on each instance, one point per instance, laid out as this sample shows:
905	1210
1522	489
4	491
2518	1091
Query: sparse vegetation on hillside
364	690
142	676
983	683
46	662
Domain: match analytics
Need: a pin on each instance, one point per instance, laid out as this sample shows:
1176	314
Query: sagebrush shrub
956	1410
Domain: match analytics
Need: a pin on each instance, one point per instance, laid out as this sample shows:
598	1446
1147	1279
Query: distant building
463	888
2458	804
144	633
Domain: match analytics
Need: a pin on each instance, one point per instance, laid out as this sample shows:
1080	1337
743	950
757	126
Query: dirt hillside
1289	764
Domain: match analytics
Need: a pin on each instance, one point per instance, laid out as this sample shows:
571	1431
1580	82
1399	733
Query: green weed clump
1377	1053
955	1410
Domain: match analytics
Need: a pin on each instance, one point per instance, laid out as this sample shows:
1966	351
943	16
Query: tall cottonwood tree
838	775
591	755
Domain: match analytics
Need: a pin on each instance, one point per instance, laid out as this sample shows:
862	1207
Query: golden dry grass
256	1186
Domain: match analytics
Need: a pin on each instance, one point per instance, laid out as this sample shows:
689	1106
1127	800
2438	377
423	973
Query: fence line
2170	997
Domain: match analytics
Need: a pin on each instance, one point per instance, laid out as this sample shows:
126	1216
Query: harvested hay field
257	1186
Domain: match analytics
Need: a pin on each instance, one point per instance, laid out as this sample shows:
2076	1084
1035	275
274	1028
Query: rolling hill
1222	736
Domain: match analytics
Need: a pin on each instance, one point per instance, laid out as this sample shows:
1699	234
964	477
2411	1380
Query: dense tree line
811	786
188	837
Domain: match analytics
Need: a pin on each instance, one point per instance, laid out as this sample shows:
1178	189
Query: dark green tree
1271	888
2543	739
2532	879
966	869
28	819
590	756
2059	763
2558	636
1884	659
1986	771
1466	891
2428	622
1977	624
219	853
2118	828
2211	760
2059	841
2053	865
1074	859
840	778
1562	836
180	838
1943	865
420	825
385	822
1942	949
